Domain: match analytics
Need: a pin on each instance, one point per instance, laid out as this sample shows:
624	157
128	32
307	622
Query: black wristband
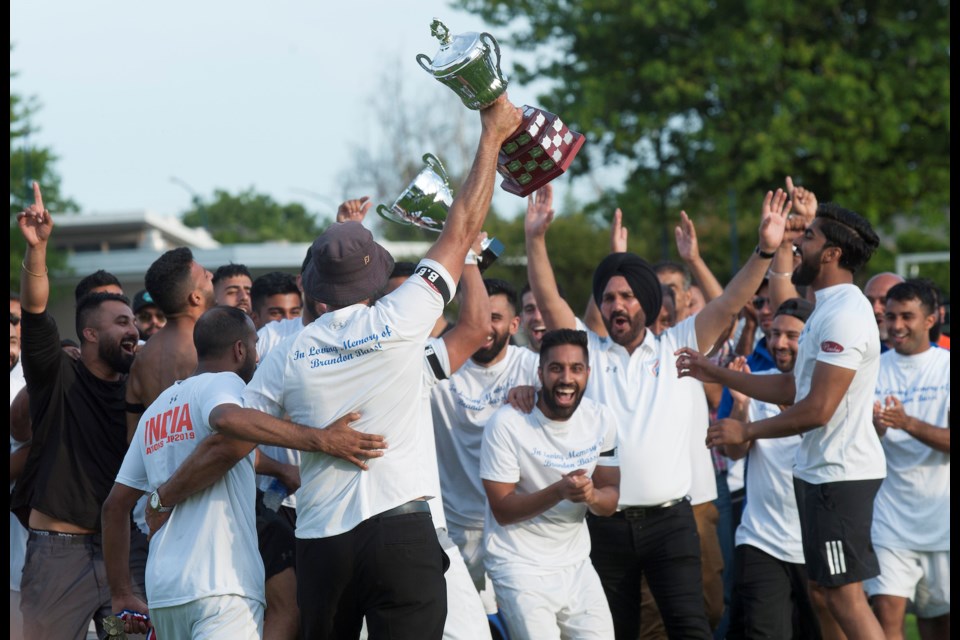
764	254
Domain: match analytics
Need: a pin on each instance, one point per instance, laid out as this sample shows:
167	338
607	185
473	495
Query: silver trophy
426	200
542	147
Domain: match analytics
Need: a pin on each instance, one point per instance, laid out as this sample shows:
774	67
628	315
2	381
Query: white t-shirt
842	332
274	336
461	407
267	397
912	509
208	547
273	333
436	367
18	535
654	411
534	452
367	359
703	475
770	520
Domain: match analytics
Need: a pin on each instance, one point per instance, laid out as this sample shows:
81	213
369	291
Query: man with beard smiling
542	472
653	534
461	406
840	463
79	440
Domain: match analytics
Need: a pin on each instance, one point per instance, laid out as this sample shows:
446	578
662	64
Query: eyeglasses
760	302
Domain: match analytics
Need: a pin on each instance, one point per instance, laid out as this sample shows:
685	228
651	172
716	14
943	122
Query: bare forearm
747	336
556	313
209	462
475	303
115	523
605	501
702	275
469	208
781	272
516	507
34	283
798	419
934	437
593	319
255	426
714	318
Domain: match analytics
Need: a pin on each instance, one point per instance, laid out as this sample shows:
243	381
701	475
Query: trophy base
539	151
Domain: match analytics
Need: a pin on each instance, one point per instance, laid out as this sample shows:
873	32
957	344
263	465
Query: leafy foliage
713	102
253	217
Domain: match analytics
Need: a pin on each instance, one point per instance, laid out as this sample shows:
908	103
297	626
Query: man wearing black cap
653	533
147	315
366	544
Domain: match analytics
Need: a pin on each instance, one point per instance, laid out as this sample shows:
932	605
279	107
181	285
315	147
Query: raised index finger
37	198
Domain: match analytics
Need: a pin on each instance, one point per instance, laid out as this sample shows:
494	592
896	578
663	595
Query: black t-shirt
79	431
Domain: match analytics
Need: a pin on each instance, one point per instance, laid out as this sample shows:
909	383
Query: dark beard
556	412
636	328
115	357
485	356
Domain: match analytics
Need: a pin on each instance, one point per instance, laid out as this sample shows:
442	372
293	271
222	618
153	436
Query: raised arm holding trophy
541	148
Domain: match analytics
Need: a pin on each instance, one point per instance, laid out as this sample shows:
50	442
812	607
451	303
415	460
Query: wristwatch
156	505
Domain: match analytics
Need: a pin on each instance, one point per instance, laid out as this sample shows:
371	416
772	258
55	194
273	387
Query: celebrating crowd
325	455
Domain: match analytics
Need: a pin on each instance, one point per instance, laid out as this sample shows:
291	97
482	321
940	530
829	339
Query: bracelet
780	274
23	265
764	254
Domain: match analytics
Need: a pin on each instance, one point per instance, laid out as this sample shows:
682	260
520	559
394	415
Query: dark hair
99	278
218	329
89	304
527	289
667	266
498	287
798	308
14	319
916	289
168	280
230	270
403	269
559	337
850	232
270	284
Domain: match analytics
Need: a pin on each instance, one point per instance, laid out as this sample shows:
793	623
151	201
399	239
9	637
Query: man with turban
653	532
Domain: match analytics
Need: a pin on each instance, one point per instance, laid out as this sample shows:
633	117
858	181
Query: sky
147	103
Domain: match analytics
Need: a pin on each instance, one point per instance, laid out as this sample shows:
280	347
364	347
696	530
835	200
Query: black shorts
275	540
835	521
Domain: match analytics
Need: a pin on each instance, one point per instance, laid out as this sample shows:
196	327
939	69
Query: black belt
414	506
637	513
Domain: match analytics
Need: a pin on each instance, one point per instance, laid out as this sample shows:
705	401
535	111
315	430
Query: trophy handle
429	66
434	162
496	47
386	214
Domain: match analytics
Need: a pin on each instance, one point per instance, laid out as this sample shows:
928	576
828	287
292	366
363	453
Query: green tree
253	217
29	163
712	102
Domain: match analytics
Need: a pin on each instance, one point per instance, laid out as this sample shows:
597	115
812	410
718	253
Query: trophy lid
456	51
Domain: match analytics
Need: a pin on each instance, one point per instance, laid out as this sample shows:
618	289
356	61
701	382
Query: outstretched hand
773	220
686	233
342	441
726	431
35	221
539	211
693	364
739	364
804	210
501	119
354	209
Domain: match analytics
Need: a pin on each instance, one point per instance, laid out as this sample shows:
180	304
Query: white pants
466	617
210	618
567	603
921	576
470	543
